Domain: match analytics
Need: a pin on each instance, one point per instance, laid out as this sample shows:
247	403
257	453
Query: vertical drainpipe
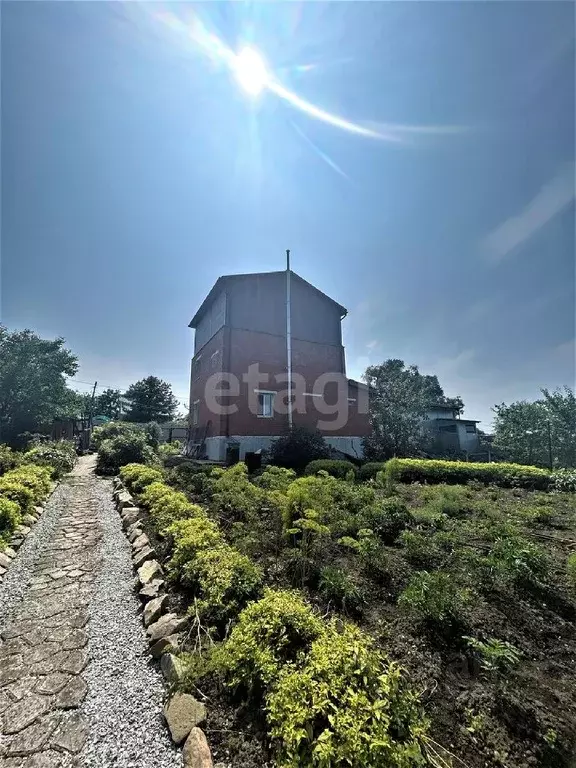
289	339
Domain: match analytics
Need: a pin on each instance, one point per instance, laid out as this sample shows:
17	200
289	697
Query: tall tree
151	400
540	432
33	387
399	397
108	403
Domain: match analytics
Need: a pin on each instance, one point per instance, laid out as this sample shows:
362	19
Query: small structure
449	432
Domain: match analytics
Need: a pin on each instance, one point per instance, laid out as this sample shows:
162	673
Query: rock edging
182	712
18	537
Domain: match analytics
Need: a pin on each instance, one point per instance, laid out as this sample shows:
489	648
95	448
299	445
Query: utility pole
92	404
550	445
289	339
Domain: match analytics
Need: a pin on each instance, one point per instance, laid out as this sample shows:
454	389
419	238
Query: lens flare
250	71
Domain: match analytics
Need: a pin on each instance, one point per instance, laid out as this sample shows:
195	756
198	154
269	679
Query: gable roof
224	280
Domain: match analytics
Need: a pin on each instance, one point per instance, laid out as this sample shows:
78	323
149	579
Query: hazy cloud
551	200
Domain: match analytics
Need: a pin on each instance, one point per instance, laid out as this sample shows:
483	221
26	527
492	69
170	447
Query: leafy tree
33	388
108	403
399	397
539	432
151	400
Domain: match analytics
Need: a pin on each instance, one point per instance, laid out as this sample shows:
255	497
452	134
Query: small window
450	428
195	412
266	404
471	428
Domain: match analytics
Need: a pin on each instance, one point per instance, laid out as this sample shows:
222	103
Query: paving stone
74	662
71	733
17	645
33	738
11	670
23	713
72	695
52	683
21	687
48	759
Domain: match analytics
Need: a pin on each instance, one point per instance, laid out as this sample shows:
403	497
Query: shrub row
461	472
220	579
20	490
334	467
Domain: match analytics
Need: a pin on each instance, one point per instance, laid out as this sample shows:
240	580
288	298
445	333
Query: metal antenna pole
289	339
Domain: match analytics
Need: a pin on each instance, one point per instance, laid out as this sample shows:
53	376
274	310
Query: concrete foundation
216	446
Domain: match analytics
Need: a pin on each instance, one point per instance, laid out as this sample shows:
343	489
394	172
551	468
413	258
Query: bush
571	571
9	459
111	430
275	631
494	655
59	456
234	497
13	490
167	506
337	587
275	479
427	550
514	560
169	449
334	467
449	500
564	480
387	518
369	470
223	581
461	472
435	598
124	449
153	434
137	477
36	478
10	516
346	706
298	448
191	537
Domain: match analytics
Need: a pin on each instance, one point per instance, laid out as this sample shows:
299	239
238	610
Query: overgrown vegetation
452	581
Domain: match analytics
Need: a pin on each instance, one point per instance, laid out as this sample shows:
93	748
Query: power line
111	386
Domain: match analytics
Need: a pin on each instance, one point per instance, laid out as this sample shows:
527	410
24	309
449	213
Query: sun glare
250	71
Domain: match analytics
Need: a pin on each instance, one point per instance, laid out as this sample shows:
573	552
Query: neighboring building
450	432
241	326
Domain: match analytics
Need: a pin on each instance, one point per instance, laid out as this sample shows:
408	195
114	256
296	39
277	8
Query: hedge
335	467
460	472
369	470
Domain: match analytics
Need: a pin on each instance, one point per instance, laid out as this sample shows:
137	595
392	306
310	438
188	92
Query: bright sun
250	71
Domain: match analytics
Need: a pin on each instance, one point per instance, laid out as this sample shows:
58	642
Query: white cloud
551	200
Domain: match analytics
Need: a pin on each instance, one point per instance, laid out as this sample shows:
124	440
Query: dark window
449	428
471	428
195	412
266	404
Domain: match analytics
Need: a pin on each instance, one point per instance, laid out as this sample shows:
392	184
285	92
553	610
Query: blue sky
135	171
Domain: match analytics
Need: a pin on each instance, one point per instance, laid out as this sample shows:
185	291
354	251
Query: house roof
462	421
223	280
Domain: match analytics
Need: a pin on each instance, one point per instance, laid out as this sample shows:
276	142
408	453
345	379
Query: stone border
183	713
8	554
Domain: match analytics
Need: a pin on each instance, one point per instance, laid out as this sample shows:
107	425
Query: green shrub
460	472
111	430
191	536
571	571
564	480
10	516
435	598
192	478
36	478
334	467
537	515
13	490
169	449
154	493
166	506
450	500
138	476
514	560
9	459
298	448
427	550
59	456
153	434
223	580
369	470
494	655
275	631
387	518
234	497
124	449
336	586
275	478
345	706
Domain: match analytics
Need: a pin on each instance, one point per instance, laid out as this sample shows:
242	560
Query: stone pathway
44	650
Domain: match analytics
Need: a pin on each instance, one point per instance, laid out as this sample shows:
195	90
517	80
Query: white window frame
195	413
271	393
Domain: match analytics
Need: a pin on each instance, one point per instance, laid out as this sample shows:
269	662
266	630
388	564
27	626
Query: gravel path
76	685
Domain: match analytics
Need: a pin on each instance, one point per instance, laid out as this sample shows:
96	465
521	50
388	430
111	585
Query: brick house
239	378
